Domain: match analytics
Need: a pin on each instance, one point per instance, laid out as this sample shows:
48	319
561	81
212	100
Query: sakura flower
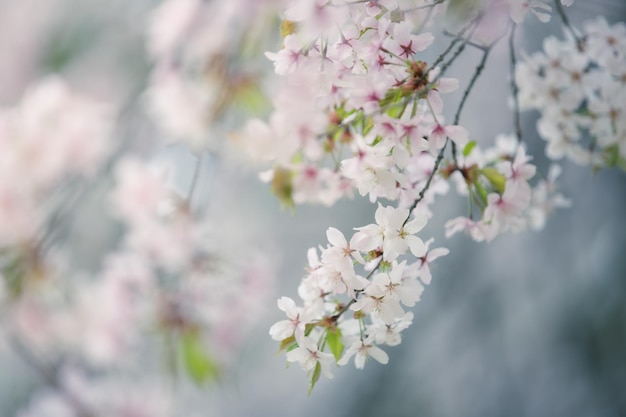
297	318
404	44
437	137
397	285
287	59
377	299
478	231
392	234
339	281
518	172
362	350
389	334
308	355
423	263
341	252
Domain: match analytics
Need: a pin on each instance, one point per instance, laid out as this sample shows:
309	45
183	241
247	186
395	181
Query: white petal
416	224
457	133
287	305
416	246
336	238
437	253
378	354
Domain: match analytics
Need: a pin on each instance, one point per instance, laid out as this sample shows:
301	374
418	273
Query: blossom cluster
360	109
578	86
357	108
497	181
366	277
52	135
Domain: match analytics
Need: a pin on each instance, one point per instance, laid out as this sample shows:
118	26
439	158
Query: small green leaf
200	367
315	377
282	186
377	140
495	178
251	99
333	339
469	147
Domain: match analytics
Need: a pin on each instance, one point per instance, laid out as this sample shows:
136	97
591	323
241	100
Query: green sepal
198	364
315	376
333	339
287	344
495	178
385	266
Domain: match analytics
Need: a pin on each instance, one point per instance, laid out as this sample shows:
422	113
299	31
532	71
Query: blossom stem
194	178
470	86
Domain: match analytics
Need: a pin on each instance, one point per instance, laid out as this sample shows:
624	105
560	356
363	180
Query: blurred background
529	325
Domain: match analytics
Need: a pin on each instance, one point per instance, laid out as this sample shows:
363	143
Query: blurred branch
48	374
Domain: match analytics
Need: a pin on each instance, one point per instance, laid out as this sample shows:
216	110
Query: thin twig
457	116
477	72
458	38
514	87
580	44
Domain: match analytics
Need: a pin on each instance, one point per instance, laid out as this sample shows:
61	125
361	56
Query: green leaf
282	186
469	147
495	178
481	193
315	377
251	99
333	339
308	328
200	367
